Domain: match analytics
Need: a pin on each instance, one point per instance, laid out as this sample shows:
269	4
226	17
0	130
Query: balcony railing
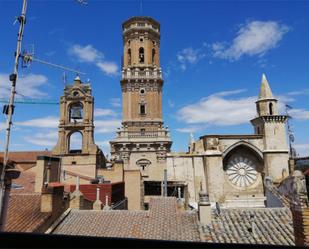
144	74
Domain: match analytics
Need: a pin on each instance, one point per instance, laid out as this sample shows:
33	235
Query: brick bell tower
142	142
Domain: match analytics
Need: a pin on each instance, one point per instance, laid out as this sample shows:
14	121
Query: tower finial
265	91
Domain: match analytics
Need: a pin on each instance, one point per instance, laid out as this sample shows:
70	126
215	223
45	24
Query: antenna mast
13	78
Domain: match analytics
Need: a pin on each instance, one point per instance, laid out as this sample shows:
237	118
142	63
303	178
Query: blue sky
213	54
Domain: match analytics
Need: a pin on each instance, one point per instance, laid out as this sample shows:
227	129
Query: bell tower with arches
142	142
75	146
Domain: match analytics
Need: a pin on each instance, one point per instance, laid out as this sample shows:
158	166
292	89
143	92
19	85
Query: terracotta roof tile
271	226
162	222
24	213
26	181
26	156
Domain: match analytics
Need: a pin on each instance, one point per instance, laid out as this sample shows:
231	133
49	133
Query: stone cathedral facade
231	168
142	142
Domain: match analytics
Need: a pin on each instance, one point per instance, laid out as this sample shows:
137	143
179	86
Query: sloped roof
162	221
271	226
26	180
26	156
24	213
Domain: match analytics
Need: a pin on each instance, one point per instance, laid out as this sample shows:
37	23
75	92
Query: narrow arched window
129	56
75	142
271	109
141	55
153	56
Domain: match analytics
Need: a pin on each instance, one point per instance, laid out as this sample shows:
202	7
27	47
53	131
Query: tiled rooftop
26	180
162	221
24	213
271	226
26	156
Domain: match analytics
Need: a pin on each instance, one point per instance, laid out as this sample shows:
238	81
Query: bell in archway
76	112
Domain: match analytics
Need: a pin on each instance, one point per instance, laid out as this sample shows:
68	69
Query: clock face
241	171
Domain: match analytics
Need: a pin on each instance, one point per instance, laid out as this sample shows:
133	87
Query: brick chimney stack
300	209
52	198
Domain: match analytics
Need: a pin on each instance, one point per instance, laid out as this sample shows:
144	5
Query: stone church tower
273	128
76	148
142	142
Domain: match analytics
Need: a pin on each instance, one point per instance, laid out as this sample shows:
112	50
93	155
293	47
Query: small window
141	55
270	108
141	39
74	163
142	109
153	56
129	56
142	132
142	91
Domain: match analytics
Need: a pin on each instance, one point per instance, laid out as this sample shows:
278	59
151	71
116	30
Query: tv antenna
28	57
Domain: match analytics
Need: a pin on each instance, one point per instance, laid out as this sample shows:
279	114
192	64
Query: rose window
241	172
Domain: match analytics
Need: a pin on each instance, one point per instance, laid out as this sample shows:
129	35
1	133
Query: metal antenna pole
13	78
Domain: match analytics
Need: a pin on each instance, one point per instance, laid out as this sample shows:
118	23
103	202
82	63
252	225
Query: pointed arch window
141	55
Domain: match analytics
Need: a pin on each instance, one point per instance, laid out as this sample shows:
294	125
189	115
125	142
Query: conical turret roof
265	91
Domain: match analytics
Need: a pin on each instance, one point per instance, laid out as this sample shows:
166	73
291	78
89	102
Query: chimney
77	197
52	198
106	207
300	209
180	202
97	205
204	208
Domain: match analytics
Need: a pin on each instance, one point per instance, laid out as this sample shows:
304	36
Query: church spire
265	91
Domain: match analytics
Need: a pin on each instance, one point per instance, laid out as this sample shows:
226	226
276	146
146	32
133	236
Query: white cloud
99	112
46	139
27	86
107	126
110	68
191	129
301	114
115	102
189	56
253	38
91	55
45	122
86	54
301	149
217	110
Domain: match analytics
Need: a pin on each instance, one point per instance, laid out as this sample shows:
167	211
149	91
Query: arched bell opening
75	142
76	112
243	166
